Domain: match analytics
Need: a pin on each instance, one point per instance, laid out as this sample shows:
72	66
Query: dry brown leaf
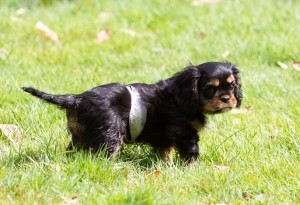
11	131
242	110
147	173
157	173
248	108
296	65
246	195
226	54
202	35
73	200
282	65
103	36
221	168
201	2
46	32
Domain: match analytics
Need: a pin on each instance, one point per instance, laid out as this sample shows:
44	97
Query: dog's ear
184	87
238	93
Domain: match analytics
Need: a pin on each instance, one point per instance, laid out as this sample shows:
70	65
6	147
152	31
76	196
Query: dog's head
219	87
210	88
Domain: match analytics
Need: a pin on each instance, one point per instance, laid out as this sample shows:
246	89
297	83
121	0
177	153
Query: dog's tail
67	101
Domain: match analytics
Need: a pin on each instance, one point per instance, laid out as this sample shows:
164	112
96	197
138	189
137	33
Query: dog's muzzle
137	115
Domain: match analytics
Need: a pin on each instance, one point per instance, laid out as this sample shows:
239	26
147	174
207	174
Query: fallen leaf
226	54
296	65
4	149
201	2
104	16
282	65
3	53
221	168
103	36
246	195
73	200
147	173
202	35
21	11
156	173
242	110
11	131
46	32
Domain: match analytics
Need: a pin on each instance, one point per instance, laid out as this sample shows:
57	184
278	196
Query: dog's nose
225	98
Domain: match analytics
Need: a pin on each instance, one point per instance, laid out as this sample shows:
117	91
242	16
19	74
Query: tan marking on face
197	125
166	153
232	102
230	79
214	82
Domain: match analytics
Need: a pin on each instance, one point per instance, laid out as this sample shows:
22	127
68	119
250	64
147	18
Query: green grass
261	147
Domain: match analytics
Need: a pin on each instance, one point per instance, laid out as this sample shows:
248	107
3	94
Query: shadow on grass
141	156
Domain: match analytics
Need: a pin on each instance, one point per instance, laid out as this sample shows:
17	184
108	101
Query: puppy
166	115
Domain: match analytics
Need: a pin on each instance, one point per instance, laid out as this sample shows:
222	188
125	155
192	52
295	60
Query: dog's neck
137	115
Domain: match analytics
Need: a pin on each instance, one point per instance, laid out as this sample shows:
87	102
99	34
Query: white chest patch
137	115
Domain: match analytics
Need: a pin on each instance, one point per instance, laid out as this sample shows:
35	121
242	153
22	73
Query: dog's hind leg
110	145
77	130
166	153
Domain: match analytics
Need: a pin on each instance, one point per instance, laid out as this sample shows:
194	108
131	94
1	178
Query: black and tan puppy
165	115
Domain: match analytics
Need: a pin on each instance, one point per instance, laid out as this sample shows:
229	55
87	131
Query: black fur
176	109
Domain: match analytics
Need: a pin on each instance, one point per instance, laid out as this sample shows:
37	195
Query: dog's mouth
217	111
215	107
227	109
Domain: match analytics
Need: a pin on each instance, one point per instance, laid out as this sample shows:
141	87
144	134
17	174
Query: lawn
249	156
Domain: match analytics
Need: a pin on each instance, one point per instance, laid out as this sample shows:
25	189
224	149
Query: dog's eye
232	86
209	90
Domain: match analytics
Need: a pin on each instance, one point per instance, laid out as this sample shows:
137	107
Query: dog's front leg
114	144
189	149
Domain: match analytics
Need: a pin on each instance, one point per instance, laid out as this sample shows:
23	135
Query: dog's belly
155	138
